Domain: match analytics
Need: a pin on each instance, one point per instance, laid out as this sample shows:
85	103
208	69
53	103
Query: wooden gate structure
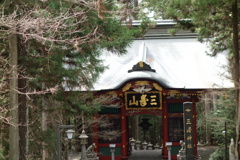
147	96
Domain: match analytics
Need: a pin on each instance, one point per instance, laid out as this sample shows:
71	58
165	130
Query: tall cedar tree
59	42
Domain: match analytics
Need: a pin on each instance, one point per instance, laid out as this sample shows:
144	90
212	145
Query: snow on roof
179	63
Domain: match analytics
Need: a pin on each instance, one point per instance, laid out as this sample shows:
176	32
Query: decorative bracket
141	66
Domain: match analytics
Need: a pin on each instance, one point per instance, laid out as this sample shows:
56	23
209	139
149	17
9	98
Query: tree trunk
44	128
236	79
22	109
135	14
44	124
207	111
13	129
214	97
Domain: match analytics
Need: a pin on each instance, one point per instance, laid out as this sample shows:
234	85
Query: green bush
1	155
219	154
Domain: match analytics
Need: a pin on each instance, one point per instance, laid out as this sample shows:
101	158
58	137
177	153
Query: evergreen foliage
215	119
60	44
211	19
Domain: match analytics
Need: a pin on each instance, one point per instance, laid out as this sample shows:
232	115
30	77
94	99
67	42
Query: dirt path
204	151
146	155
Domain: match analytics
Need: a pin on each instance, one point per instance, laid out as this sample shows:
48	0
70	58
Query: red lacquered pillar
165	130
124	134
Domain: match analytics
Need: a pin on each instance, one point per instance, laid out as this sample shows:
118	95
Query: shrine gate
151	96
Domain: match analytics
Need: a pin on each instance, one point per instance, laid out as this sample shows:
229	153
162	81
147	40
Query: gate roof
179	63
